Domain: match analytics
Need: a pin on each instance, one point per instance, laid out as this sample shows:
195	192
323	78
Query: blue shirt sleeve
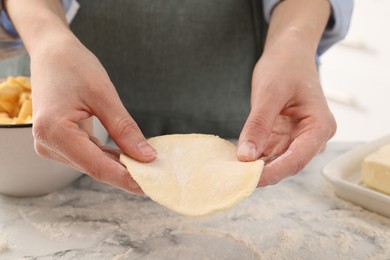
338	25
6	24
337	30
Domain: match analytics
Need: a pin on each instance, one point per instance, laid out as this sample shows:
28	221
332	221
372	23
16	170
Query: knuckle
40	150
259	125
332	126
48	136
328	126
125	126
300	165
39	130
93	168
94	173
45	129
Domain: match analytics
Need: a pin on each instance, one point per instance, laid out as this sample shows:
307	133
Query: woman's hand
69	87
290	121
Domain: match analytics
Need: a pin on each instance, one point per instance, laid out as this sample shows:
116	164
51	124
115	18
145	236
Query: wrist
298	24
291	44
51	42
37	21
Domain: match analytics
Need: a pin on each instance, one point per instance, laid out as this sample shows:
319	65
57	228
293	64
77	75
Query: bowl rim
16	125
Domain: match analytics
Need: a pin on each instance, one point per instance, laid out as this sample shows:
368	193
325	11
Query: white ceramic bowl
23	173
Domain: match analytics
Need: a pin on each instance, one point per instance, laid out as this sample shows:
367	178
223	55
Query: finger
108	150
257	129
126	182
123	129
95	140
293	160
102	166
44	151
81	153
111	151
283	132
86	125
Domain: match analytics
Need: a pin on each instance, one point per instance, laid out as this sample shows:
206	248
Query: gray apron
179	66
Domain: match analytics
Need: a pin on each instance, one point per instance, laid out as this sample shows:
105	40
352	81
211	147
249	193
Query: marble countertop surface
300	218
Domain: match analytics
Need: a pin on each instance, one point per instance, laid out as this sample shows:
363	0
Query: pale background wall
360	67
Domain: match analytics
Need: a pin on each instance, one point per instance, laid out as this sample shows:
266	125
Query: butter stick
376	170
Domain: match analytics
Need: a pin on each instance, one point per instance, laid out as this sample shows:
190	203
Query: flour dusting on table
3	244
300	218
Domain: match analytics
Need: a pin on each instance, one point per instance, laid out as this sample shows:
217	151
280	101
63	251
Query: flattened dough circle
195	174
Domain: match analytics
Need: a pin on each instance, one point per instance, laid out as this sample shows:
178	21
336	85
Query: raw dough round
195	174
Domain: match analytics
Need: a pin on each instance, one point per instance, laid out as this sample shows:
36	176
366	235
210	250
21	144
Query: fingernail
146	149
247	151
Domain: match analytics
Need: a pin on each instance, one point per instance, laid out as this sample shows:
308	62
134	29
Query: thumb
254	135
124	131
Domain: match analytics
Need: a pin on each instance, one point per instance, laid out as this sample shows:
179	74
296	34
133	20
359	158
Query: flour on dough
195	174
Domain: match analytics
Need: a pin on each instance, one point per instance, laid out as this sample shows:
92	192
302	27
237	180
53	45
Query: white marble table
299	218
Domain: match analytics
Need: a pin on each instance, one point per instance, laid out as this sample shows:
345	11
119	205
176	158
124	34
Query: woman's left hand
290	121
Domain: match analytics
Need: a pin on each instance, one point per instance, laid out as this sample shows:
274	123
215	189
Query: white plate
344	174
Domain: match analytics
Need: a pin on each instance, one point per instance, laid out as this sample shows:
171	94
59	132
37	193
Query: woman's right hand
69	87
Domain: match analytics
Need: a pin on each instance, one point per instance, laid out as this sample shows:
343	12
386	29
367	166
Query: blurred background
355	74
359	68
14	66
